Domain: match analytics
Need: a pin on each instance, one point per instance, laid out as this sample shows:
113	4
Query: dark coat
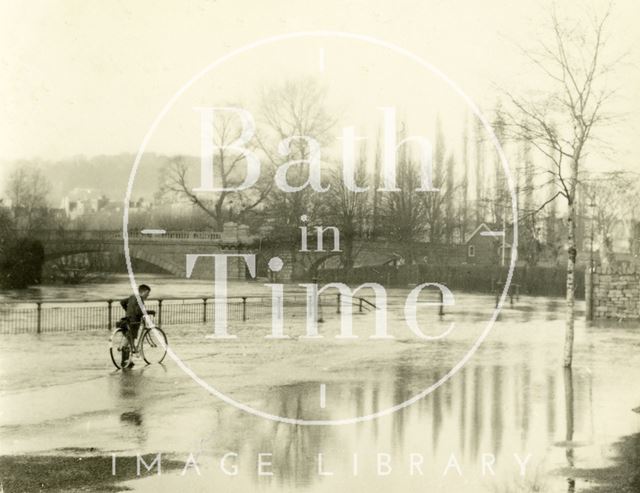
130	305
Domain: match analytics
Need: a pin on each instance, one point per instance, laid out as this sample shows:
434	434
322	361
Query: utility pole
504	234
592	206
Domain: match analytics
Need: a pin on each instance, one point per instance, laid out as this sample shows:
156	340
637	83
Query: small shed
484	246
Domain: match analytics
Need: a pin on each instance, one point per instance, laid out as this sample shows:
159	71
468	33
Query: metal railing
101	235
82	315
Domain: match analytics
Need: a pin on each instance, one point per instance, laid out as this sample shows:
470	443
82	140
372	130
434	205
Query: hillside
107	173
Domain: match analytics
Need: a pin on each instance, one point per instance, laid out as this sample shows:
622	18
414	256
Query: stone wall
616	294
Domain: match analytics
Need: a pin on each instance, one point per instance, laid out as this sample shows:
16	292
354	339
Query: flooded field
118	286
511	419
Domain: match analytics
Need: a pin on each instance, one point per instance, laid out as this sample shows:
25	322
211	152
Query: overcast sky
89	76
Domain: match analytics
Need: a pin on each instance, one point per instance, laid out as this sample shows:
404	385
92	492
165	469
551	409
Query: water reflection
465	418
132	390
550	408
568	402
477	405
496	411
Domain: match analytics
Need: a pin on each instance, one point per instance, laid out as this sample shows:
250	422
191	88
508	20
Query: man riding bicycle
133	320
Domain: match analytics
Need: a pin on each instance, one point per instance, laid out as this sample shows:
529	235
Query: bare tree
292	110
405	214
498	202
375	193
613	202
28	190
438	206
450	219
179	178
560	124
479	172
464	208
6	226
348	210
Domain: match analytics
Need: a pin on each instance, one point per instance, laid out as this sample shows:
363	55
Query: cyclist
133	319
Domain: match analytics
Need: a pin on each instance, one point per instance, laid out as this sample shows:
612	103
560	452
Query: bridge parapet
101	236
165	250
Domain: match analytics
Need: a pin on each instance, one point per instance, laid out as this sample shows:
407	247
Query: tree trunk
219	218
571	292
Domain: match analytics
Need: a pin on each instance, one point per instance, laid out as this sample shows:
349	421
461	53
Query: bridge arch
163	262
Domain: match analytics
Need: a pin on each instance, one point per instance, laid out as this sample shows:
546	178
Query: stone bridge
167	250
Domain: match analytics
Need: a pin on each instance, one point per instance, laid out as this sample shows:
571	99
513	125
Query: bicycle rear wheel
154	345
119	347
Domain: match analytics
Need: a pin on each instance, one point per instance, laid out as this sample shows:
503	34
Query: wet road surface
510	409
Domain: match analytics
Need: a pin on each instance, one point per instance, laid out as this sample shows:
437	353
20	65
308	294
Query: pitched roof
482	226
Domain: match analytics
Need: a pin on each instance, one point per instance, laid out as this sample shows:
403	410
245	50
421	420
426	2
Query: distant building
90	203
81	201
484	248
140	204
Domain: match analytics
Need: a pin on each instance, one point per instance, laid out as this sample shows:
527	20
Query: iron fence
534	281
81	315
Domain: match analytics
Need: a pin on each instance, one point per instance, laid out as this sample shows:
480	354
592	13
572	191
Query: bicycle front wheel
154	345
119	348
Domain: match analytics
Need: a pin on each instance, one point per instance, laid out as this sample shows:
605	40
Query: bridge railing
83	315
100	235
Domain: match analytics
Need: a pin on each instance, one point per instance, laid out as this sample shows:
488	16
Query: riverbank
69	471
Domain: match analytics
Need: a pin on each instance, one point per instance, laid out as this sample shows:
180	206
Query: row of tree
21	258
465	198
560	122
300	108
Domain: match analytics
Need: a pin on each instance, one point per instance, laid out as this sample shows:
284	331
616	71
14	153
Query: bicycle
151	344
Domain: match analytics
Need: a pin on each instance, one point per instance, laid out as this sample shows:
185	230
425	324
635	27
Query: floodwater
511	419
118	286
